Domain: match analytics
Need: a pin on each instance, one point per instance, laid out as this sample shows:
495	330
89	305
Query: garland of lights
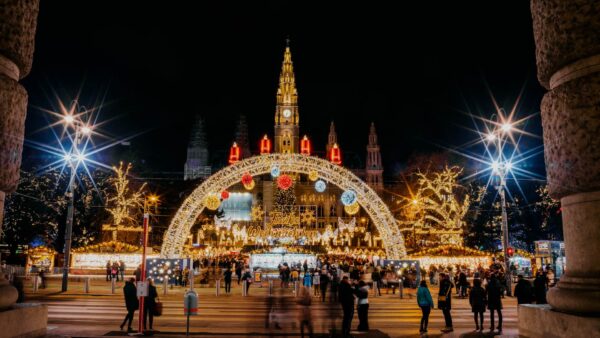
376	209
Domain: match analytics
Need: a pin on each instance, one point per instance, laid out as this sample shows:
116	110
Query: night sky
413	71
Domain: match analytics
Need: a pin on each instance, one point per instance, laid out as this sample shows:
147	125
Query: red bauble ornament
284	182
247	179
224	194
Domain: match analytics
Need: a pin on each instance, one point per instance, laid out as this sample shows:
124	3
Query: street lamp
74	157
149	202
501	166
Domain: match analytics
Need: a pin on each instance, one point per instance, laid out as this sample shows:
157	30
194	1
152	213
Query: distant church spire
287	133
196	165
332	137
374	168
241	137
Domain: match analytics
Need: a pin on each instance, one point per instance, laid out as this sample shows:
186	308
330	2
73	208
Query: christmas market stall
450	256
41	257
93	258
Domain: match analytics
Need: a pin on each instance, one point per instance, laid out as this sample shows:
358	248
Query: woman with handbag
150	305
445	301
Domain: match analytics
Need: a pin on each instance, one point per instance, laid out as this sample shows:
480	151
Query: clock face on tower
287	113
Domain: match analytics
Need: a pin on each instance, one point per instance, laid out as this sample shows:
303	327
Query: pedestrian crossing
99	314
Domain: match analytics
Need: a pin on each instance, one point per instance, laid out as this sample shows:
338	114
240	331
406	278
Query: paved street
100	313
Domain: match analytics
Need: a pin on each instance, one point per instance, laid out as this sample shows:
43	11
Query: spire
286	93
374	166
332	138
241	137
196	164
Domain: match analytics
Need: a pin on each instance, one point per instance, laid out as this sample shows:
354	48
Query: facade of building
196	165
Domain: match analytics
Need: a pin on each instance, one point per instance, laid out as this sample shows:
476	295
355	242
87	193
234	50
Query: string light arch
367	198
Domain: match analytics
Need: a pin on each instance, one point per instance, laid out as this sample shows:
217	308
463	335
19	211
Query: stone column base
540	321
24	321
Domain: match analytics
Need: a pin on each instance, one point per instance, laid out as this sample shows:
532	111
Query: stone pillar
18	19
567	42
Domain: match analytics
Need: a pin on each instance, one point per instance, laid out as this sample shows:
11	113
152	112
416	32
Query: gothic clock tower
286	113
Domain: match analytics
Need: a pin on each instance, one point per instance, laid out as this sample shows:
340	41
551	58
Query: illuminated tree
126	204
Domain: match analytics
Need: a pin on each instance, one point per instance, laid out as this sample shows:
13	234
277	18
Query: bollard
270	287
244	290
86	285
217	287
113	285
165	285
375	293
190	308
35	283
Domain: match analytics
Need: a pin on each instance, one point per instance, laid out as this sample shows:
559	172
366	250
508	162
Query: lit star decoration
308	217
352	208
257	213
320	186
284	182
275	171
348	197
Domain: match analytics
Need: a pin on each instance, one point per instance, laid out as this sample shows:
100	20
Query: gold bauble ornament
212	202
313	175
250	186
352	208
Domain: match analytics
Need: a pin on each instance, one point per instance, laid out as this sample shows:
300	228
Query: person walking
247	276
346	297
463	284
494	298
108	271
523	291
376	277
307	281
150	304
316	283
131	303
324	284
227	278
478	300
138	273
362	293
425	303
238	272
114	271
445	301
122	269
539	288
305	313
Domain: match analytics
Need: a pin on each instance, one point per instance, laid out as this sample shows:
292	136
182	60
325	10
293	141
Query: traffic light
510	252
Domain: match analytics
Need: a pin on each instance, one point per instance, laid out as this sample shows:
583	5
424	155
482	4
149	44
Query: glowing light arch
191	208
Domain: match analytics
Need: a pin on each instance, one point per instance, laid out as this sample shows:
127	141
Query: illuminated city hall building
304	217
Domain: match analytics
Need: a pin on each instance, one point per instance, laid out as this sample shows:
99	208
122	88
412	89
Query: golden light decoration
313	175
384	221
250	185
212	202
352	208
257	213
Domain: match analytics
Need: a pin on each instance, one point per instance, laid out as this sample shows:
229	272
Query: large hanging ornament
275	171
313	175
247	179
352	208
348	197
320	186
212	202
284	182
224	194
250	185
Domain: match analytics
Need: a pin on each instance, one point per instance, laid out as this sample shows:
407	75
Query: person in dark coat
131	303
324	285
108	271
445	301
539	288
362	293
138	273
227	277
494	297
238	272
376	277
523	291
150	304
478	299
346	297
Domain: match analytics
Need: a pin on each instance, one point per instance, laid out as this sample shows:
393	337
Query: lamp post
149	201
502	166
73	158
